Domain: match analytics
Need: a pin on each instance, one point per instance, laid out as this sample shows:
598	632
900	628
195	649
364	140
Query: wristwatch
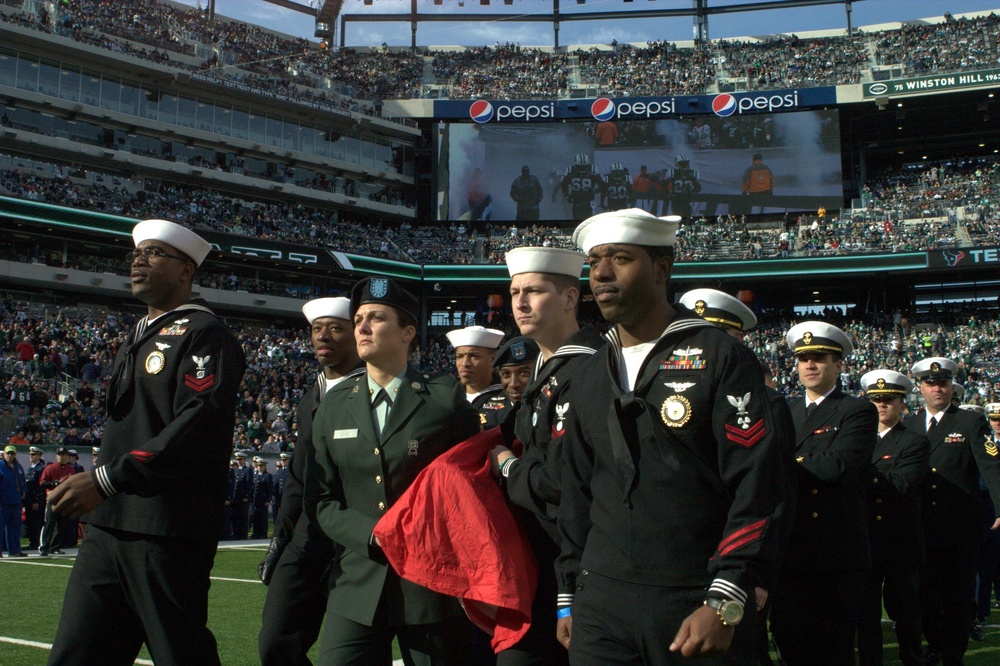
730	612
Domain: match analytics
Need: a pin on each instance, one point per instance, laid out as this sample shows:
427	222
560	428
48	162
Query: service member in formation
898	468
242	493
989	555
514	364
673	487
300	555
280	478
260	501
373	434
475	351
545	293
962	449
735	319
142	574
814	619
34	499
728	313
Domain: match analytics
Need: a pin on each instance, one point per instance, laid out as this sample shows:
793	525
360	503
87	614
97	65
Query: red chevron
746	438
199	384
746	529
143	456
739	543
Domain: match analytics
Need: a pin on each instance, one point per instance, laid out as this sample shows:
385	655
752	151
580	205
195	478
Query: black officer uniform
280	478
816	604
263	489
227	510
297	585
961	450
241	500
533	482
34	496
172	398
899	466
672	493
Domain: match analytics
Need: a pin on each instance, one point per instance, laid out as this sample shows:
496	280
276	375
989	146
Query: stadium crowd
297	69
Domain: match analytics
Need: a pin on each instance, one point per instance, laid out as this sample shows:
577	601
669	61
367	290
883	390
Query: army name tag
345	434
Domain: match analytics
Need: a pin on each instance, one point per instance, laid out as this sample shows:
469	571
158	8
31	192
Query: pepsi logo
602	109
481	111
724	105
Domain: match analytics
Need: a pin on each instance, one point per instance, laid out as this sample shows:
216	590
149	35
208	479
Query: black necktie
933	424
811	409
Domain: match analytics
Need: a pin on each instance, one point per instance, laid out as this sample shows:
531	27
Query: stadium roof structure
327	12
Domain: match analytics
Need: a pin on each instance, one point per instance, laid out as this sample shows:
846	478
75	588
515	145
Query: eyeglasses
152	253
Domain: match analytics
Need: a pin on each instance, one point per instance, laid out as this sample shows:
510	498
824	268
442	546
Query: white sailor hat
239	454
818	337
719	308
993	410
959	391
545	260
318	308
95	450
886	382
284	456
632	226
475	336
174	234
978	409
935	368
34	449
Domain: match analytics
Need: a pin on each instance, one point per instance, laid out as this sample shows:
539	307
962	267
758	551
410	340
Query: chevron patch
142	456
199	385
746	438
991	448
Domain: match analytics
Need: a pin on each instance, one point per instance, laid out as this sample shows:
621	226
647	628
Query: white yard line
48	646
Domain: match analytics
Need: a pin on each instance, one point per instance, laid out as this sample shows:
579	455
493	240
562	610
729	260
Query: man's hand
75	496
761	597
564	630
996	524
266	567
497	456
701	634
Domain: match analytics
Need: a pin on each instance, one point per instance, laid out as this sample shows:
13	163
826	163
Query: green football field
31	590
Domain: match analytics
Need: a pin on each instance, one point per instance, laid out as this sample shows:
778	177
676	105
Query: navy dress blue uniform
263	490
227	511
241	500
815	613
172	399
297	588
280	478
961	450
533	484
899	467
356	476
676	487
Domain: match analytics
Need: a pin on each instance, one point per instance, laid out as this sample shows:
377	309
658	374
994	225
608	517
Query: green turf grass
32	595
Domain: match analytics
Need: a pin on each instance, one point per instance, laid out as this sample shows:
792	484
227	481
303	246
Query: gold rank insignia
880	383
935	367
676	411
991	448
807	338
800	459
699	308
155	362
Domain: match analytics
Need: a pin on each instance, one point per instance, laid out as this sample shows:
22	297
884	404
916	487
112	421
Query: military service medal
676	411
155	362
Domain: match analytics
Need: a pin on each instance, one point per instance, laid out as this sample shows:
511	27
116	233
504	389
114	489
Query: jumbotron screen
743	164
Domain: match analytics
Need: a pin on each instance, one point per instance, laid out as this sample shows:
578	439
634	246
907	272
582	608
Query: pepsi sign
482	111
725	105
602	109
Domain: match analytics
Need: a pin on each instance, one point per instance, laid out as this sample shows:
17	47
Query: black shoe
977	633
21	554
932	658
56	552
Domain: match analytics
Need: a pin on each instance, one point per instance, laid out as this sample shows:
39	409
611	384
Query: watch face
731	612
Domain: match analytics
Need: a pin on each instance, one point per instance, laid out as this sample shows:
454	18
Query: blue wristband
563	612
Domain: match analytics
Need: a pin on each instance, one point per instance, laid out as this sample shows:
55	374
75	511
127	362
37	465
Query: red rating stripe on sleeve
199	384
746	438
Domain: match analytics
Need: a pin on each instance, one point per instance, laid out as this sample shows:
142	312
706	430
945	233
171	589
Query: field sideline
33	591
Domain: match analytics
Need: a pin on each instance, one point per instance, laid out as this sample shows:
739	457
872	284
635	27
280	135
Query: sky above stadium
481	30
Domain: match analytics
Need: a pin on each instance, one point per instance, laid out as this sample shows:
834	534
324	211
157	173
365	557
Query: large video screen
743	164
